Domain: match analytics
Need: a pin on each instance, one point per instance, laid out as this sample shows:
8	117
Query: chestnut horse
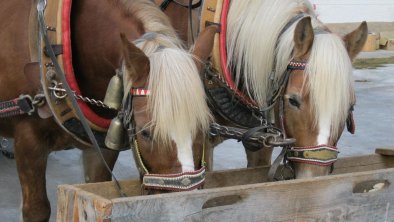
281	44
272	44
166	101
178	14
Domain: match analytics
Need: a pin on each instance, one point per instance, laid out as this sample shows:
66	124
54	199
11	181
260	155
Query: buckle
25	103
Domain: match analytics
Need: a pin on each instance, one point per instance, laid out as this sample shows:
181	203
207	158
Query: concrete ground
373	116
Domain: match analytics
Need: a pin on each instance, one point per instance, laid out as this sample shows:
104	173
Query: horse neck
96	43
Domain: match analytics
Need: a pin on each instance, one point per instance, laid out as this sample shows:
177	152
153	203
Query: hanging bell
115	138
113	96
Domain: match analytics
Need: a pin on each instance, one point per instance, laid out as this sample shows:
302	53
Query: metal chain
60	94
271	138
94	102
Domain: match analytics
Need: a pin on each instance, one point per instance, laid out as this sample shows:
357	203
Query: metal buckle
25	103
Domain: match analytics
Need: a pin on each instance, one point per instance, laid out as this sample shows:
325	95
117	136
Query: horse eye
146	134
294	102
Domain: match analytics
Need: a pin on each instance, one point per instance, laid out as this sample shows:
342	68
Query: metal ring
4	143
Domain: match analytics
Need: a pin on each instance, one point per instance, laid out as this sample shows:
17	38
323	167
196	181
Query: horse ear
303	37
355	40
204	44
137	63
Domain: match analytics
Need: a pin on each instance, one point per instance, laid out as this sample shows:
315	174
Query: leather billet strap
18	106
322	155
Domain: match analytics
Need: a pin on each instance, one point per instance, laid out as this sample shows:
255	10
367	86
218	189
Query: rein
170	182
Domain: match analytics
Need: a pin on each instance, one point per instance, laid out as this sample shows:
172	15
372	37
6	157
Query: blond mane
177	101
252	40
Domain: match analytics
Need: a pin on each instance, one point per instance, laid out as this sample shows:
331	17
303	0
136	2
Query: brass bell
114	95
115	138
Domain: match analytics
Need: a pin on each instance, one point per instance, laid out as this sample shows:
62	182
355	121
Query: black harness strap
163	6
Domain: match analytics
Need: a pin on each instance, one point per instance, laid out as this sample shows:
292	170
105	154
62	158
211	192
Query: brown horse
288	47
178	13
287	59
165	90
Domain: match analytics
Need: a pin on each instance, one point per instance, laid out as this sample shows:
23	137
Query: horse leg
259	158
94	168
31	159
208	155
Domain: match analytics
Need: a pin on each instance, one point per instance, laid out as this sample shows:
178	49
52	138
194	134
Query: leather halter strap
163	6
321	155
171	182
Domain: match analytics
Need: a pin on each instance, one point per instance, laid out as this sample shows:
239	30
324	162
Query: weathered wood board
244	195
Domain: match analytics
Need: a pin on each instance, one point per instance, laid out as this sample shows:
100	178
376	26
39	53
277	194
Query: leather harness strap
163	6
322	155
18	106
56	19
56	65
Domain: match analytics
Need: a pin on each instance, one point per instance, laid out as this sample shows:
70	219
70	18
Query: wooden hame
360	189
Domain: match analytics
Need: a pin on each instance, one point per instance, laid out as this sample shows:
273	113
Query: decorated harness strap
17	106
175	182
322	155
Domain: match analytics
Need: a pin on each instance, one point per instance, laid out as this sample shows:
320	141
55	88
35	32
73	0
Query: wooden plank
245	176
332	198
77	204
65	202
385	151
227	198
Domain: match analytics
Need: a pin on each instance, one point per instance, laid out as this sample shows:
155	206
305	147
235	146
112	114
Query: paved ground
373	116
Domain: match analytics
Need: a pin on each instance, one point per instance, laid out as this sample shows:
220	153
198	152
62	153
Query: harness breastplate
57	20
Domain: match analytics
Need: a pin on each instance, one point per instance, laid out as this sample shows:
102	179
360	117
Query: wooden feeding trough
360	189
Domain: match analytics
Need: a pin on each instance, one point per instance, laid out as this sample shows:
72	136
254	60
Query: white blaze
324	130
185	153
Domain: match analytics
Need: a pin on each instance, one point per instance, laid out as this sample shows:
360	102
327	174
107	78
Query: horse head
169	114
319	96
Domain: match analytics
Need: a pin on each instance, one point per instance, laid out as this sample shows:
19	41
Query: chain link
60	94
272	136
91	101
